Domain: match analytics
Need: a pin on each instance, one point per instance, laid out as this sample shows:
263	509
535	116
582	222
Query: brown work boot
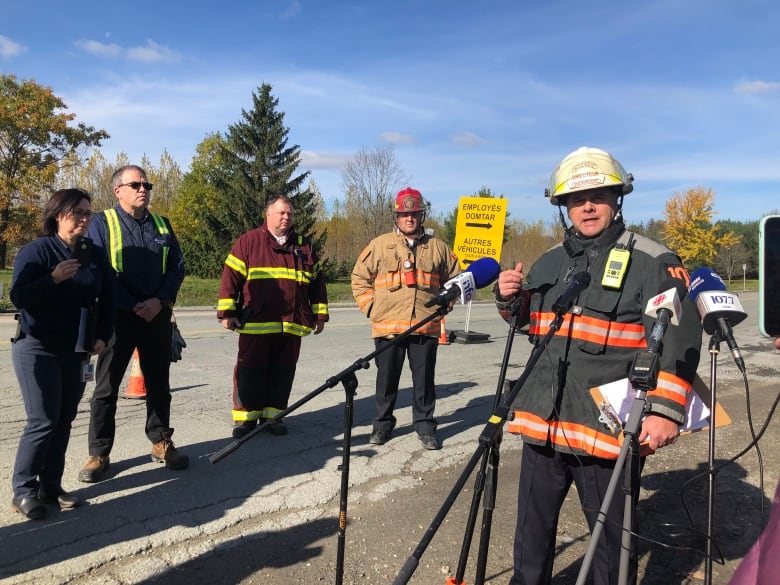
94	469
165	452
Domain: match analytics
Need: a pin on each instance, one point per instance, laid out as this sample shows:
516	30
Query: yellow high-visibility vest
115	239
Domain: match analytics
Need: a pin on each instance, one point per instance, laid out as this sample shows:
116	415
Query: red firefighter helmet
408	201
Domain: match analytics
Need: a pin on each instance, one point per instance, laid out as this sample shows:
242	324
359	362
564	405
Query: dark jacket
598	345
142	274
281	284
51	312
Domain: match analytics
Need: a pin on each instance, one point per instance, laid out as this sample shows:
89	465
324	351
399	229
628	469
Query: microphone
579	283
718	308
479	274
666	307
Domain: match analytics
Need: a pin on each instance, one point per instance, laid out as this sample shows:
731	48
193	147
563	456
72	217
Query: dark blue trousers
51	389
545	478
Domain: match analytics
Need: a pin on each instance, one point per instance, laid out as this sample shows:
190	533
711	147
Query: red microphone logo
659	299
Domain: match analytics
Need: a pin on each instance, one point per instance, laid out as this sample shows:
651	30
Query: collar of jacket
122	212
574	245
292	239
421	238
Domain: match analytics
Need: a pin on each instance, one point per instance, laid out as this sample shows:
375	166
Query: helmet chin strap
420	229
566	228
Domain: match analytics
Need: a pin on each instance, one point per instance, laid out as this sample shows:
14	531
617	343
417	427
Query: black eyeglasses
80	214
136	185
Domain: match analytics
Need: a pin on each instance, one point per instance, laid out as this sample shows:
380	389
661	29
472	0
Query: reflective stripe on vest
115	239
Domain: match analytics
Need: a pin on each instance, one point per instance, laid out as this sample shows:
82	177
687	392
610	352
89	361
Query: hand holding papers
614	401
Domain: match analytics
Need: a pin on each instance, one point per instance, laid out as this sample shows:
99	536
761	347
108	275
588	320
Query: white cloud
152	52
398	138
9	48
98	49
758	86
323	160
467	139
293	10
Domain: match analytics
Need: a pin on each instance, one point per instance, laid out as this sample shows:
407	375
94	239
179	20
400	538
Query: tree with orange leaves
688	228
36	134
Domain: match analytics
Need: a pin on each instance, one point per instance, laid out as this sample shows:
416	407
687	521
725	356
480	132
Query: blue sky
494	93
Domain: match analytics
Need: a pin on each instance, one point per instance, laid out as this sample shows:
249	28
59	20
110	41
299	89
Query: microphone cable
755	438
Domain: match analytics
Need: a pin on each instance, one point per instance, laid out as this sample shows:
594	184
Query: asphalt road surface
268	512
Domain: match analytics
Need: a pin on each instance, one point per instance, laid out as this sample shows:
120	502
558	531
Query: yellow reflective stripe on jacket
319	308
162	229
236	264
266	272
115	239
227	305
272	327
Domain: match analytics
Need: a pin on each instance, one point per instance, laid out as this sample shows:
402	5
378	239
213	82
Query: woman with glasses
66	304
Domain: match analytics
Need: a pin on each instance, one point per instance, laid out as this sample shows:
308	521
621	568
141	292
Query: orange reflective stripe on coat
569	435
672	388
591	329
385	328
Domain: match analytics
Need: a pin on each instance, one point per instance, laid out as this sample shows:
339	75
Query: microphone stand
643	377
348	378
486	483
714	349
490	437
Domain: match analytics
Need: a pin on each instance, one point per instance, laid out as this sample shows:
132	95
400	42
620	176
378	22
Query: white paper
621	395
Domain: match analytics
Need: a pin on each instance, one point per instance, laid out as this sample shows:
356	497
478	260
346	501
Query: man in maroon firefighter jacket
272	293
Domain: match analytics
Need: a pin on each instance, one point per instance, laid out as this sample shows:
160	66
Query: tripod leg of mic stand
714	349
485	484
350	385
488	505
479	487
630	488
633	424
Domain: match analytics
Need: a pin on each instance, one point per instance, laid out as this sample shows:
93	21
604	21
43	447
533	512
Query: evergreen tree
259	164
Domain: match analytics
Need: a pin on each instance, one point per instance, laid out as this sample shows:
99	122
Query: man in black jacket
564	439
146	257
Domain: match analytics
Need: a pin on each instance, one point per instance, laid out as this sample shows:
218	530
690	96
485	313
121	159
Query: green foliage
36	136
338	269
198	198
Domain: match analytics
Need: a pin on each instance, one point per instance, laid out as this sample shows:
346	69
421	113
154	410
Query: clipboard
614	402
85	340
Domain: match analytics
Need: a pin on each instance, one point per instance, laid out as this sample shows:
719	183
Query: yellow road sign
479	230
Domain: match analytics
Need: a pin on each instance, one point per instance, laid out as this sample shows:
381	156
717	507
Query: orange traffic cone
136	387
443	337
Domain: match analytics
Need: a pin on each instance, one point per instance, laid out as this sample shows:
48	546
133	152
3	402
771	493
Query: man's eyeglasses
80	214
136	185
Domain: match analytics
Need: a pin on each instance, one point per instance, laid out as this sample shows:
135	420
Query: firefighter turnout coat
599	339
392	281
273	288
